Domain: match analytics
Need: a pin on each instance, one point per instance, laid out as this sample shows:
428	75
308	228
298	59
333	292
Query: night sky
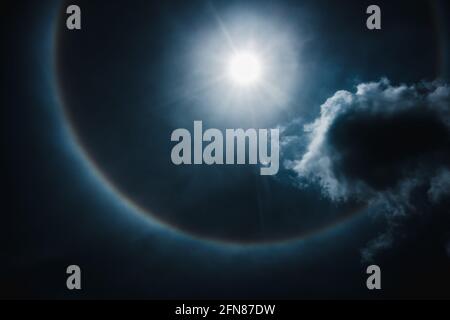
364	118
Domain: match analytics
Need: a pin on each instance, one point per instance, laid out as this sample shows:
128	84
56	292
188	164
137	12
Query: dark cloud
386	145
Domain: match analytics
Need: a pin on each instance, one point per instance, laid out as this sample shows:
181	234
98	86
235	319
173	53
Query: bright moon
245	68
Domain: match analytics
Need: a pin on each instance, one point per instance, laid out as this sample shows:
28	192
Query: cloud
385	145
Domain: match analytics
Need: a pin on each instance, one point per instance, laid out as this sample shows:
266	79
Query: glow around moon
239	67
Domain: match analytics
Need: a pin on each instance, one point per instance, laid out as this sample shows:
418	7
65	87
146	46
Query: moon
245	68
